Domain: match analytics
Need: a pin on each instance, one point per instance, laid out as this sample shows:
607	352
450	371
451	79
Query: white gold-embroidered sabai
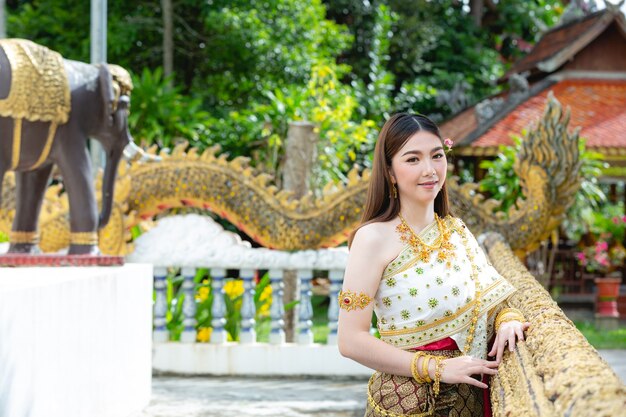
419	302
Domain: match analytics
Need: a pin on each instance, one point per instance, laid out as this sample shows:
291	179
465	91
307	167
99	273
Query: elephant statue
49	107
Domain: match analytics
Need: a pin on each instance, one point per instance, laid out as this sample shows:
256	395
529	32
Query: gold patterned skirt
398	396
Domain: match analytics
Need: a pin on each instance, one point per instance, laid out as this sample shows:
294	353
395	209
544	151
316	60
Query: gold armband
506	315
349	300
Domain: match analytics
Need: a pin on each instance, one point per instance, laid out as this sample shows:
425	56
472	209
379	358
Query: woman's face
419	168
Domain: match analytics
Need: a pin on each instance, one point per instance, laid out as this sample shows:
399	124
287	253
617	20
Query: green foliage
436	45
244	69
589	197
603	339
324	101
501	182
256	47
3	237
161	114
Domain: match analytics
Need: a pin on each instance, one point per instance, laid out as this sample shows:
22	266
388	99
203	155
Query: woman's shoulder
377	242
375	232
378	238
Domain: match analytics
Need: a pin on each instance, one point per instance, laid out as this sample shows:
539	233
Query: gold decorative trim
387	335
36	72
17	143
46	149
349	300
84	238
19	237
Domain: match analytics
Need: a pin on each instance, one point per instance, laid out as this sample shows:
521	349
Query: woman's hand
507	336
460	370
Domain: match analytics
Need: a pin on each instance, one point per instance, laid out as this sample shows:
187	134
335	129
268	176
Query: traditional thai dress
427	300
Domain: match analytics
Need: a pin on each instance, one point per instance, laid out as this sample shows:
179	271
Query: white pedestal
75	342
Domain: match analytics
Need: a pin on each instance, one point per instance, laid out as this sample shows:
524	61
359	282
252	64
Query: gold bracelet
438	370
414	371
425	362
505	319
84	238
506	315
18	237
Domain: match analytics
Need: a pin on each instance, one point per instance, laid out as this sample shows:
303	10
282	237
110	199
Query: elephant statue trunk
108	184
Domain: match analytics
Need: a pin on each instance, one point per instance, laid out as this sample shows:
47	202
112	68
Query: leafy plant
501	182
604	251
161	115
3	237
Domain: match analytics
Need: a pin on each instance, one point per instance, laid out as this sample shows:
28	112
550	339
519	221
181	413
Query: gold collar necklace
424	250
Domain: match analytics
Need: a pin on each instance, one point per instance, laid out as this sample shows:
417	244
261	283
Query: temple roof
561	43
598	107
583	63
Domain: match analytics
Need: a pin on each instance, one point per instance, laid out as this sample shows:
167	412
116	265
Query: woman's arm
367	260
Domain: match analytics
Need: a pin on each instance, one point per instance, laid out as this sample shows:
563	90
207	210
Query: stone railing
203	244
556	372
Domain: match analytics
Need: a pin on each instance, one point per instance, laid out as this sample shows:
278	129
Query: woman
437	300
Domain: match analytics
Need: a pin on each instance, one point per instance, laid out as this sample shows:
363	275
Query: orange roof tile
597	106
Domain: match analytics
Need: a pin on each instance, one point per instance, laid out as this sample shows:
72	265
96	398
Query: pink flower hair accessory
447	142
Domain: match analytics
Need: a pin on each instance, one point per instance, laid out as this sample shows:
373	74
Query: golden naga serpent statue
547	166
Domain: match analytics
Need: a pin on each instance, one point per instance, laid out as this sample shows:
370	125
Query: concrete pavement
176	396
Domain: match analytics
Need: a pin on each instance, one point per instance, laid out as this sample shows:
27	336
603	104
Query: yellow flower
233	288
203	294
266	299
204	334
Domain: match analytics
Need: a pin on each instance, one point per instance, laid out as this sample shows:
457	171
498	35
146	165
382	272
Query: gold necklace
423	250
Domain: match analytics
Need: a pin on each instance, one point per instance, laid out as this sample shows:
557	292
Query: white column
305	309
218	308
248	309
336	279
277	310
189	306
159	309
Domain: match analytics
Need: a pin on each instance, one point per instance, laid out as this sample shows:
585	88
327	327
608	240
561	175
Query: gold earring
394	190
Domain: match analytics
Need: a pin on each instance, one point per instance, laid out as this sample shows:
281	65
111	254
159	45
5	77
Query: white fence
194	242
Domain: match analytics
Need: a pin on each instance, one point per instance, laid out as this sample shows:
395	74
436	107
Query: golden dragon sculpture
548	169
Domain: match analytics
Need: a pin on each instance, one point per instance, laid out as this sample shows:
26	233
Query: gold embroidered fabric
399	396
421	302
39	87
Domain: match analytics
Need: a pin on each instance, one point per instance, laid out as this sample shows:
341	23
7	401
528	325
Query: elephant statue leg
30	189
75	167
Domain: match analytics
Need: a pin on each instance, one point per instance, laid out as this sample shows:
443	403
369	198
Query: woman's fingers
511	341
471	381
500	350
488	371
520	333
494	348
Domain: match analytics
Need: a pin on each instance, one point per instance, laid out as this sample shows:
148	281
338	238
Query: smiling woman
439	304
